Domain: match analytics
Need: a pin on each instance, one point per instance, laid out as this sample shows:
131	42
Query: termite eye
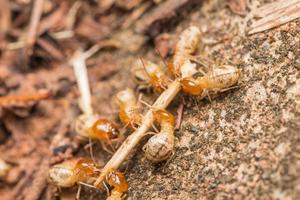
114	134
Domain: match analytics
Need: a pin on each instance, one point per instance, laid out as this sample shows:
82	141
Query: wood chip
274	15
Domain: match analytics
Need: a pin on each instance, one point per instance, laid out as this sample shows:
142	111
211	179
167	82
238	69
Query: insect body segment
188	42
221	77
129	113
160	146
72	172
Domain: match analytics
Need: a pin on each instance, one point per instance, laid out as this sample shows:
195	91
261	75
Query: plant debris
274	15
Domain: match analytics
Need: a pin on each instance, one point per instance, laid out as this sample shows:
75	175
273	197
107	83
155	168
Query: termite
118	181
161	146
129	107
139	75
157	77
188	43
216	80
72	172
93	127
4	169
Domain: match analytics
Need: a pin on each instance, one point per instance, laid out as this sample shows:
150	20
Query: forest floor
243	144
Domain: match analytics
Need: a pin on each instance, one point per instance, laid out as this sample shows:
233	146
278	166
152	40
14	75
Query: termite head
93	127
105	130
85	167
191	86
117	180
162	116
4	168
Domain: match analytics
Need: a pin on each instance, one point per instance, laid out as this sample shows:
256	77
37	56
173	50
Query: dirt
244	144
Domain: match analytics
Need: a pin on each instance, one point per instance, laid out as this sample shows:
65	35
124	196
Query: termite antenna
161	57
144	65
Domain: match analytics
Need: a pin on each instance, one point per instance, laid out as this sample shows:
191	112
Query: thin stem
34	22
80	71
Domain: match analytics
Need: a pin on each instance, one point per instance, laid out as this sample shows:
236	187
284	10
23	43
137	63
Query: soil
243	144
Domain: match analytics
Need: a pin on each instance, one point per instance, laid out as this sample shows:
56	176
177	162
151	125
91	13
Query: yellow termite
189	40
118	181
147	73
91	126
130	108
161	146
157	76
72	172
216	80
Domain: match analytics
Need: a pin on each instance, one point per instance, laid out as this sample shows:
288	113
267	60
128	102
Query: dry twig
15	100
275	14
34	22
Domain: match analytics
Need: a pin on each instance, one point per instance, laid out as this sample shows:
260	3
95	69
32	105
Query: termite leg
78	192
169	159
120	139
159	54
80	187
151	107
106	188
208	96
179	114
91	150
230	88
104	147
193	58
155	129
194	100
87	185
145	103
111	145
